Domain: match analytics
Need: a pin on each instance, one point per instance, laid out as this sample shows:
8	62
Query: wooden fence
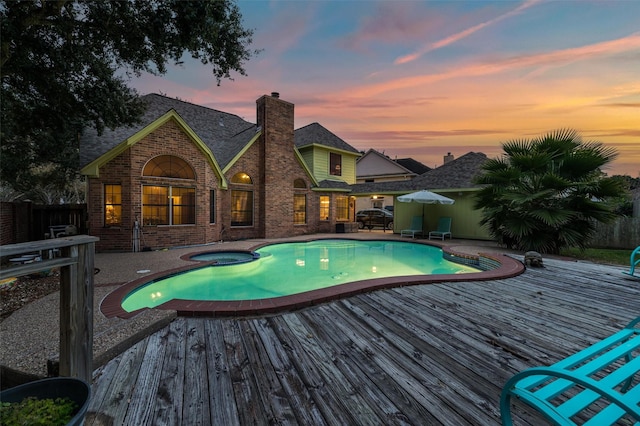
25	221
624	233
76	294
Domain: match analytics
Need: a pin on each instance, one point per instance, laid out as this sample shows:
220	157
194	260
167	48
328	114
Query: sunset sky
422	78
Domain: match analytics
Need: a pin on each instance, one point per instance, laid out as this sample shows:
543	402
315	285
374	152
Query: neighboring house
414	165
454	179
374	167
190	175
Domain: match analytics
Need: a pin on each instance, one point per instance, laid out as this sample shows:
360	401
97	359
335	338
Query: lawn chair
444	229
416	227
634	260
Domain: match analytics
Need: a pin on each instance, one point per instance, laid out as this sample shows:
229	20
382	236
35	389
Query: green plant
604	256
34	411
546	193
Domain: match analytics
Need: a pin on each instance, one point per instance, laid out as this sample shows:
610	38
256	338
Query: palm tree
545	193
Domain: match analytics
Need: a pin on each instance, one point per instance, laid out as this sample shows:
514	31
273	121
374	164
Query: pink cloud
463	34
548	59
393	22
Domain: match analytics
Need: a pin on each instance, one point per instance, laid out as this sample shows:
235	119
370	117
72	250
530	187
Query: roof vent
275	95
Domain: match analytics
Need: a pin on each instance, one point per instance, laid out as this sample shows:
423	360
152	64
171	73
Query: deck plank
169	403
222	402
142	411
196	382
425	354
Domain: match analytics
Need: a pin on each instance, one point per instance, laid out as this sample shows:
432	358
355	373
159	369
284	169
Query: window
324	207
342	208
168	166
335	164
167	205
155	205
242	201
299	184
183	206
113	205
241	208
242	178
299	209
212	206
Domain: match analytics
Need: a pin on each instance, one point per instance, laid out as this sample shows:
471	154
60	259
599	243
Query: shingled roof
314	133
414	165
224	134
458	173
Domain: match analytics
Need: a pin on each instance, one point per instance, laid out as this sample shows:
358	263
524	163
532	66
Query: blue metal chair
416	227
444	229
634	260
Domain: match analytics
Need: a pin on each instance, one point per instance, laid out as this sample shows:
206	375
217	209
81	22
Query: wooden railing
75	260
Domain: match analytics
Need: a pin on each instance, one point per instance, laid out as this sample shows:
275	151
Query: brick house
190	175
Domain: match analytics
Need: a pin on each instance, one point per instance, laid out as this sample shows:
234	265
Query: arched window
170	167
165	203
299	184
242	178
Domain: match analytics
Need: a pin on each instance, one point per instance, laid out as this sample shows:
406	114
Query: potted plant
52	401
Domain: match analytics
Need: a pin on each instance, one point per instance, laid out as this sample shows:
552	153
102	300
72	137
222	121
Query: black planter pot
55	387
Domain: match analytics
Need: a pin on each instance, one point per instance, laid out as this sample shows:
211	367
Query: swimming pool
285	269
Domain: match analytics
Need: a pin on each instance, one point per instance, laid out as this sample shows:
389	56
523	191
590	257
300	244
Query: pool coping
111	305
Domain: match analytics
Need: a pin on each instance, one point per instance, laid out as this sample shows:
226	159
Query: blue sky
423	78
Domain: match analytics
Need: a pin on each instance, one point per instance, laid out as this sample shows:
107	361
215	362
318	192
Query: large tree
64	66
545	193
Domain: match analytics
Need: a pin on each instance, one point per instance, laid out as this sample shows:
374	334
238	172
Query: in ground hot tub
226	257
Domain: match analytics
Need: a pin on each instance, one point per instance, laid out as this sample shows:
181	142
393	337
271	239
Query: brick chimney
279	164
448	157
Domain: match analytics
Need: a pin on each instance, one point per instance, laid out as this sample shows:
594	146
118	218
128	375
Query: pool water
291	268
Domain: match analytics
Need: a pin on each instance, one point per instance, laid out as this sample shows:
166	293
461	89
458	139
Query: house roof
314	133
458	173
224	134
414	165
389	187
335	185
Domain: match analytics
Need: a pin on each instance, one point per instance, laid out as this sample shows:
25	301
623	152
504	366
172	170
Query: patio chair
634	261
444	229
416	227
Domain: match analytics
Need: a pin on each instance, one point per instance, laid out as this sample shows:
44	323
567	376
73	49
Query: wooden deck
422	355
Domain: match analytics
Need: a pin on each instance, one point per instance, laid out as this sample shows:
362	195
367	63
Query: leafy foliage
544	193
63	66
36	411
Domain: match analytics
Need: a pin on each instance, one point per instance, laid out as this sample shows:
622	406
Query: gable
373	163
93	168
315	134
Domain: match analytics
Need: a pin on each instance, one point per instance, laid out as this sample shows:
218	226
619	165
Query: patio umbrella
425	197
